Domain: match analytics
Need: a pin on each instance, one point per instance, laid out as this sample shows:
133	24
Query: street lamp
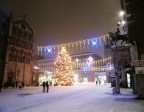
121	13
77	60
122	23
90	59
35	67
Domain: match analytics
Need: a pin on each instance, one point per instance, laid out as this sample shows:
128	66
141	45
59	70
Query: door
9	80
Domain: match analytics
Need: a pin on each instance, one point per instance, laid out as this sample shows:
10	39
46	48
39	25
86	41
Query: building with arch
16	40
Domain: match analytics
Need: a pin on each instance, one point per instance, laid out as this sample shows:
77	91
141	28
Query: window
14	30
30	37
10	57
15	58
19	32
25	35
18	73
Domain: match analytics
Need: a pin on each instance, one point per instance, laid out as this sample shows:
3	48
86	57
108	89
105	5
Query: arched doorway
125	78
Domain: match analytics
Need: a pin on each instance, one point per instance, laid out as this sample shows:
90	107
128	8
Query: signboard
139	70
138	63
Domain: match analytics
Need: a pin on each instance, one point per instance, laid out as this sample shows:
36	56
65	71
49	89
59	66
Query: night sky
61	21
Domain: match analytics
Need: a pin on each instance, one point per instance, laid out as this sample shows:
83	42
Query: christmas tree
63	73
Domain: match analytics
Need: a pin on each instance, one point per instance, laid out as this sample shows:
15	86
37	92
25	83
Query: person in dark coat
47	86
96	82
44	86
23	84
99	82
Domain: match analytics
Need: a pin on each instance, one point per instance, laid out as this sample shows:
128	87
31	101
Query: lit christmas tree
63	74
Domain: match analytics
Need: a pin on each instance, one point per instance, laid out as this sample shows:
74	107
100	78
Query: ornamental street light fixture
121	13
90	59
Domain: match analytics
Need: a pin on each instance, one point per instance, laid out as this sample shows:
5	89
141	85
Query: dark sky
61	21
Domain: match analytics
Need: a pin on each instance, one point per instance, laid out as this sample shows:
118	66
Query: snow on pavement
76	98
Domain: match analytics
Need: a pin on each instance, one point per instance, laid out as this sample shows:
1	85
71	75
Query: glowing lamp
123	22
90	58
49	50
121	13
94	43
77	60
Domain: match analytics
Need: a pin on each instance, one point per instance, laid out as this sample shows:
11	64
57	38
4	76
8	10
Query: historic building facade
18	52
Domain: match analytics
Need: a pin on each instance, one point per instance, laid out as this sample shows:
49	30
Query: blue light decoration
94	42
109	66
49	50
86	69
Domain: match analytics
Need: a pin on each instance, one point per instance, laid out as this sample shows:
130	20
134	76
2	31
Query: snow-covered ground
76	98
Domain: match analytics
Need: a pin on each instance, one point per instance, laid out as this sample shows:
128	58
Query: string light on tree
63	74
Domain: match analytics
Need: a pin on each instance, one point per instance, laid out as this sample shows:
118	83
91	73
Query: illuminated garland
97	69
101	68
94	42
96	63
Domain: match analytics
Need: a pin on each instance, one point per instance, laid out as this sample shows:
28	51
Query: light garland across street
83	44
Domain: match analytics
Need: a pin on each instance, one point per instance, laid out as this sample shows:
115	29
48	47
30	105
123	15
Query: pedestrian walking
23	84
99	82
47	86
44	86
96	82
